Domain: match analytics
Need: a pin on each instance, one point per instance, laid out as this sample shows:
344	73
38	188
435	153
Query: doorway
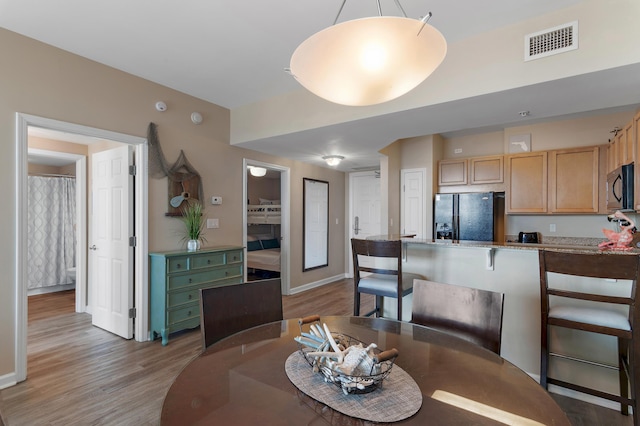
273	230
23	122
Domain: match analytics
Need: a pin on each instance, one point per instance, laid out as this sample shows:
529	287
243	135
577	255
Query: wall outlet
215	200
213	223
457	151
552	227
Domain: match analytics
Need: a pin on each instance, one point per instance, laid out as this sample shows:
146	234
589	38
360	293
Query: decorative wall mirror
315	225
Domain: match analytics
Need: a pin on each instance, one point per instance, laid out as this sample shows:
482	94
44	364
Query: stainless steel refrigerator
475	216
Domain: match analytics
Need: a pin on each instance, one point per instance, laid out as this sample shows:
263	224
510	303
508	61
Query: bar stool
593	313
380	282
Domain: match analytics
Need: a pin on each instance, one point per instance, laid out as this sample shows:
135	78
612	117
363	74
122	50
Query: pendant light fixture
368	61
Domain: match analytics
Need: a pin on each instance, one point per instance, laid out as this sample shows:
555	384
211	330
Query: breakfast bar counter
512	269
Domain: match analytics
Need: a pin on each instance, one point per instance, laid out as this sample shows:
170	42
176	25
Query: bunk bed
261	214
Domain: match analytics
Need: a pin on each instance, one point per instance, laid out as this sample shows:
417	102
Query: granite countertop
519	246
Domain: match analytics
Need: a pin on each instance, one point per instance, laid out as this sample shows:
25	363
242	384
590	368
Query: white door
365	204
365	210
110	255
412	203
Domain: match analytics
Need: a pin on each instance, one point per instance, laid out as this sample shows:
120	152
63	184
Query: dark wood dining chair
381	282
226	310
469	313
582	308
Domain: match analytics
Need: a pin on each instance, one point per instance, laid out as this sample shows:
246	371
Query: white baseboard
8	380
51	289
315	284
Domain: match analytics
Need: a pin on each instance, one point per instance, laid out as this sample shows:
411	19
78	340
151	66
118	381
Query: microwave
620	189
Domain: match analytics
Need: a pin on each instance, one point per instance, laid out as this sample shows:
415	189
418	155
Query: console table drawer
181	297
178	315
177	264
206	261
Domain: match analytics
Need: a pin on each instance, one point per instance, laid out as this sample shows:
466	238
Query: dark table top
241	380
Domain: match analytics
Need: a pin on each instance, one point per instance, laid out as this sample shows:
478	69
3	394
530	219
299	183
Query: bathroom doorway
140	222
56	235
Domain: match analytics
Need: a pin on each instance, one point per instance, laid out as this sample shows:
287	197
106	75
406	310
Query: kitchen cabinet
635	132
452	172
574	180
526	183
629	144
486	169
471	171
612	155
176	279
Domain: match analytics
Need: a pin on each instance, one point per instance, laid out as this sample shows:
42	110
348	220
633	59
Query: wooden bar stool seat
380	281
591	306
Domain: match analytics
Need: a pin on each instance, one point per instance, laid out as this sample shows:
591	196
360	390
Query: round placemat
398	398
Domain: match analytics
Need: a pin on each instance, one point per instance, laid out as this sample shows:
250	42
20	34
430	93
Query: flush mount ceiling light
333	160
368	61
257	171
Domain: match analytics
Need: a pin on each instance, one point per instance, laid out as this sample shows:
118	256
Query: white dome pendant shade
368	61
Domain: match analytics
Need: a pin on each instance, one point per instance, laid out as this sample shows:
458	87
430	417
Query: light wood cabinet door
527	183
486	170
573	180
629	144
635	131
612	155
452	172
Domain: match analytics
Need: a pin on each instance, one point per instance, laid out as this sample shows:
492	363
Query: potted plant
194	223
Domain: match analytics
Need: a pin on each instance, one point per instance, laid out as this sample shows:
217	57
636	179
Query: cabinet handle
189	314
189	280
208	261
190	297
178	266
226	273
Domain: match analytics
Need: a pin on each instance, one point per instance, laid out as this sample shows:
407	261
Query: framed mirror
315	224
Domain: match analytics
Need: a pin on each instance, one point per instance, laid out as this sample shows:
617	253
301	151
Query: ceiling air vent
551	41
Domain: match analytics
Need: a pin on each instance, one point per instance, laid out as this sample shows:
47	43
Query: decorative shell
344	361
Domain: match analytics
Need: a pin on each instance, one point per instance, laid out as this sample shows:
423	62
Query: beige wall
44	81
262	187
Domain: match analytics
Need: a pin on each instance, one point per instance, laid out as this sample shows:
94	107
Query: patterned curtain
51	230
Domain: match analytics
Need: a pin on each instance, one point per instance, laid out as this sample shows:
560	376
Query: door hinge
132	170
132	241
132	313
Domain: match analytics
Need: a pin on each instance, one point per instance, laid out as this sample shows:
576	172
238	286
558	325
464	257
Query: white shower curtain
51	230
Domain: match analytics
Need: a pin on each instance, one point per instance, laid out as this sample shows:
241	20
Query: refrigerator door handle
356	229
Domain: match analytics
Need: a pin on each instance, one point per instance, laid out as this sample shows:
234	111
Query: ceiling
233	53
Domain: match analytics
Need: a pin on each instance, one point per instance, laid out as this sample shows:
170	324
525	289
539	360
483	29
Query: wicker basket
361	381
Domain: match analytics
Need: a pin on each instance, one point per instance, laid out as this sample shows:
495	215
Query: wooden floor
81	375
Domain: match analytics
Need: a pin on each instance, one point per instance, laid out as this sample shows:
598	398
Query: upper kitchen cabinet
635	131
629	143
574	180
452	172
471	171
622	147
486	170
526	183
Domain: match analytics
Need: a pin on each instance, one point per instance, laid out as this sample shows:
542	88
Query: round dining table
241	380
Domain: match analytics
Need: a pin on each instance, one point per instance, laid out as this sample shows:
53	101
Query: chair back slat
226	310
470	313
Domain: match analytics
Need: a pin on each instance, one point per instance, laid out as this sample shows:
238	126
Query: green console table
176	279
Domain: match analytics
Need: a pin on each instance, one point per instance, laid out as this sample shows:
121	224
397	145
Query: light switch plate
213	223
